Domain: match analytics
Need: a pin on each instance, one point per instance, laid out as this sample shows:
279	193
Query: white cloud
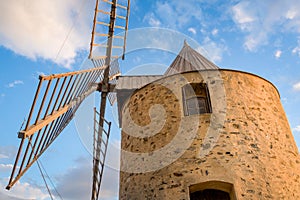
212	50
5	167
2	95
40	73
37	29
253	41
291	14
2	156
192	30
278	54
260	19
242	15
22	190
296	50
152	20
284	100
37	74
297	128
296	86
176	14
215	31
8	151
16	82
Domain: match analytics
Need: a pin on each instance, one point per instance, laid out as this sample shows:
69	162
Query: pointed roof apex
185	43
189	59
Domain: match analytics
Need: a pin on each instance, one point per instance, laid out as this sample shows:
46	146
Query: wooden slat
121	6
117	47
118	37
120	27
104	12
101	34
102	23
99	45
121	17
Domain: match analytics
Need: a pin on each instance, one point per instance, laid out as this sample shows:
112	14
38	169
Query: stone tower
201	132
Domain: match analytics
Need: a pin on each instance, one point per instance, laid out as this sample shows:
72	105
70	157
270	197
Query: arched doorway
209	194
212	190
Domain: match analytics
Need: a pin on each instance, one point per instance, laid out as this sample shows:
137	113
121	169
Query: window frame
186	98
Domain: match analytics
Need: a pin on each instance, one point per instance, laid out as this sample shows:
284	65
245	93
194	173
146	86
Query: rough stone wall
250	142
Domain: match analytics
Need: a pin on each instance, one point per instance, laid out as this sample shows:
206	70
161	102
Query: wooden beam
71	73
42	123
56	114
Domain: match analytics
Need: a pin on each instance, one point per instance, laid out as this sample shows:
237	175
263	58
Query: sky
53	36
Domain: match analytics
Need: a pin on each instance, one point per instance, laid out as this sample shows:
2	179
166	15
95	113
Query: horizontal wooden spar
71	73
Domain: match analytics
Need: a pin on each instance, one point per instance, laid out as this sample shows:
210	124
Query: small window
196	99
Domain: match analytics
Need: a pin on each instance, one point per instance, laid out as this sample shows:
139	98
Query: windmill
58	96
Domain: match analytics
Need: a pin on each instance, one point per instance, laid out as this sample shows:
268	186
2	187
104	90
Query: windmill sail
110	22
109	35
58	96
55	103
113	17
101	136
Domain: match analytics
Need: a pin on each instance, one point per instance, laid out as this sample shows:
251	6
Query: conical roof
189	60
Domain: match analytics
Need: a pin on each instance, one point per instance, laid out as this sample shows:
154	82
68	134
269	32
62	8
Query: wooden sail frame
58	97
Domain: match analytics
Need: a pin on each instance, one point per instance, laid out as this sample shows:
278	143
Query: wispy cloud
37	74
176	14
40	73
278	54
215	31
152	20
5	167
260	19
297	128
296	86
44	26
3	156
242	15
296	50
14	83
192	30
246	19
8	151
214	51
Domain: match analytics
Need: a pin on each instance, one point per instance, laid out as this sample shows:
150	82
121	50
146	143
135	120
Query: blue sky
52	36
